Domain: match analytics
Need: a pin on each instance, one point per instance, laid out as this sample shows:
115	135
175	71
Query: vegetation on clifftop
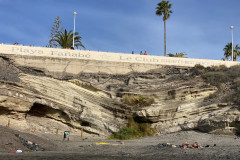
227	80
228	51
60	37
180	55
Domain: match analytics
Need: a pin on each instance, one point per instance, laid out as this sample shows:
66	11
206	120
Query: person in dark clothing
66	135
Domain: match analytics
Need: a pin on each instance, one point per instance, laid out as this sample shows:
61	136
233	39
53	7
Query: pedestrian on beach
145	53
141	53
66	135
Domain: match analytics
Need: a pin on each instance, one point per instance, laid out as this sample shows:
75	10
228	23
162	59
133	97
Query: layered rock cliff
37	100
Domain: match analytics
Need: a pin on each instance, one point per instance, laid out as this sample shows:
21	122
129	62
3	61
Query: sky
199	28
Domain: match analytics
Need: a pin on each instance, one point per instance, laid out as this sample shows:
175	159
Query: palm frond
164	9
65	39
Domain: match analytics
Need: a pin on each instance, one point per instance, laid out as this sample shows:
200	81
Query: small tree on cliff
56	30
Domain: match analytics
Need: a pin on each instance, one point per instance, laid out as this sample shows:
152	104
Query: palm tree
228	51
164	9
237	51
65	39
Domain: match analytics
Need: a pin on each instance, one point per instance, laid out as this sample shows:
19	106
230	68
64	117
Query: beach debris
31	145
186	145
207	146
174	146
9	143
162	145
18	151
29	142
104	143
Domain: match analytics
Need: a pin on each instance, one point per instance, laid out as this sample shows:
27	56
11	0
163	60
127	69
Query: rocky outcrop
186	108
45	104
37	100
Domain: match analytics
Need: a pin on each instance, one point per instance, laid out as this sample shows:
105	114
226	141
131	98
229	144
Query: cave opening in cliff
40	110
86	124
3	111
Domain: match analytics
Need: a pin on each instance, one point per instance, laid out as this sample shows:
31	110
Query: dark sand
227	147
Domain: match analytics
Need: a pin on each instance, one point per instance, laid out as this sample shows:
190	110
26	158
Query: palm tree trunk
165	45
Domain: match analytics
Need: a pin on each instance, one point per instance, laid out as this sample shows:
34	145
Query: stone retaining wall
77	61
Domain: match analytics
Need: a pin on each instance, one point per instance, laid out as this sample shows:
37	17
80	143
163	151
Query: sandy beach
53	147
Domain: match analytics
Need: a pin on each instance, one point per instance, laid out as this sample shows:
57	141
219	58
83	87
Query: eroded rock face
47	105
33	99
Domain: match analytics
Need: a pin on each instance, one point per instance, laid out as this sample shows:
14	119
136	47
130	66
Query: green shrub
172	94
125	133
233	98
199	66
215	78
211	96
228	98
132	123
234	72
221	75
137	101
134	130
146	130
236	97
236	82
219	68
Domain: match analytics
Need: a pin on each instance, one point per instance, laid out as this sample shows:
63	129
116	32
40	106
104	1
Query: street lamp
232	40
74	15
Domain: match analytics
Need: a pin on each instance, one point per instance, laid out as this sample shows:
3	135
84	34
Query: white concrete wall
108	56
